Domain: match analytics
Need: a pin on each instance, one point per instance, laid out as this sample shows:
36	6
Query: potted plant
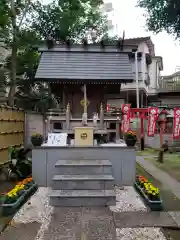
130	138
150	194
11	201
37	139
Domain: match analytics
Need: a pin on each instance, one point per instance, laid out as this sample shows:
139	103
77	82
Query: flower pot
14	204
154	205
130	142
36	142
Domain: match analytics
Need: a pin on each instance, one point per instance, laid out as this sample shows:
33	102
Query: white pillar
137	80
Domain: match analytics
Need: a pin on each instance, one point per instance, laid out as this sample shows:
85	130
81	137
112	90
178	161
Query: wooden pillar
84	115
85	99
64	97
101	117
68	117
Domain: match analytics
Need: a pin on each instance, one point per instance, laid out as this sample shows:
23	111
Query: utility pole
137	80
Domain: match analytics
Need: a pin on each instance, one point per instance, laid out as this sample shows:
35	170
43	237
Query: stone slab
82	198
83	177
85	169
81	224
143	219
82	162
65	224
98	224
21	232
82	166
82	193
176	217
83	182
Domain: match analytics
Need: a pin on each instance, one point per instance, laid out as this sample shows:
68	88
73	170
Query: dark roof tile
84	66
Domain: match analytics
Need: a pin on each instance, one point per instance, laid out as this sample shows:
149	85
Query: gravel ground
139	234
37	209
127	199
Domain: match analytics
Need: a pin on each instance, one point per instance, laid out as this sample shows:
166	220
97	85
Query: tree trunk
14	50
13	56
13	77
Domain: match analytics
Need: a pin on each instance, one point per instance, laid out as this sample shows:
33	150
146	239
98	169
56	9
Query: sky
130	18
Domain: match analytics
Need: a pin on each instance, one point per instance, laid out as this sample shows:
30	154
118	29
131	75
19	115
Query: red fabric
126	109
153	115
176	123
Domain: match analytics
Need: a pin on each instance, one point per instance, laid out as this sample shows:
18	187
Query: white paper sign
57	139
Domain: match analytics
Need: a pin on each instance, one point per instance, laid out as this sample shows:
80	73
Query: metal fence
170	83
11	130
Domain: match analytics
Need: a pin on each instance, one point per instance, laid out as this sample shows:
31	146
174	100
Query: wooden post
85	99
84	116
101	117
64	98
68	116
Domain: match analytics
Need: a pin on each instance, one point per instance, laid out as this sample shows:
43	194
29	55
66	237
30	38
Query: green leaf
162	15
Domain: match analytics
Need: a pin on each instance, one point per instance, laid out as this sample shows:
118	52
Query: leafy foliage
27	25
162	15
71	18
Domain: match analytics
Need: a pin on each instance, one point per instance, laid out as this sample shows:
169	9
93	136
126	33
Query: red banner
125	108
152	117
176	124
108	107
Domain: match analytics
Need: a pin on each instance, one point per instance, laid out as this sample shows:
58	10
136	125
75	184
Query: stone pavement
169	182
81	224
90	224
144	219
21	232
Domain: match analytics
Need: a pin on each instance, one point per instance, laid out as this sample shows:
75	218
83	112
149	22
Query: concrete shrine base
123	160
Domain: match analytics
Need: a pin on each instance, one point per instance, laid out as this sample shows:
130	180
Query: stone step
83	182
83	167
82	198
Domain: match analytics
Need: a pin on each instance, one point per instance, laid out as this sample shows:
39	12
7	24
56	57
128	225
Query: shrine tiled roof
62	64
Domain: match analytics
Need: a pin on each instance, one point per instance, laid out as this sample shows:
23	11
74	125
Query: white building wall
109	10
152	74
